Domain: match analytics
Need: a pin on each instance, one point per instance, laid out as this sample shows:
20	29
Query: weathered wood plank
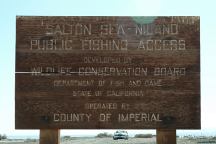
43	110
166	136
48	136
27	61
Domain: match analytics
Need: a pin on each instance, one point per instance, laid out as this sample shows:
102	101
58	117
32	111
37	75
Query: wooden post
50	136
166	136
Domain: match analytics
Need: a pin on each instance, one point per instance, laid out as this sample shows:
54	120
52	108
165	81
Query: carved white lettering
104	45
161	45
138	117
71	117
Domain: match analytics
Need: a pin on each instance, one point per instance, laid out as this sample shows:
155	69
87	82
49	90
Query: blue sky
10	8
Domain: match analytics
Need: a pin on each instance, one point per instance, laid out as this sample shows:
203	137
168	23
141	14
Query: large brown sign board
107	72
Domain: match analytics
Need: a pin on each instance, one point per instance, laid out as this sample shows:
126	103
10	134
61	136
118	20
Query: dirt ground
111	141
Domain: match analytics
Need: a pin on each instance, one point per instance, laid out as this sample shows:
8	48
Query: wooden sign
107	72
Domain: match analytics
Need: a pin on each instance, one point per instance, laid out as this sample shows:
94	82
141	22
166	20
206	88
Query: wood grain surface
107	72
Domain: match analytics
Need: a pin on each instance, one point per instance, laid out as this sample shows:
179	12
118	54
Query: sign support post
49	136
166	136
